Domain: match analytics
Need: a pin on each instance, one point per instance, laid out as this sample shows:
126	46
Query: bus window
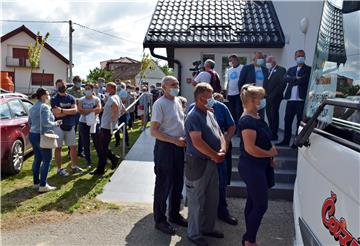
336	66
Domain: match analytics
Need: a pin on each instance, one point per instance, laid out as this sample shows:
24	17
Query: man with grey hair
274	86
167	126
206	148
209	75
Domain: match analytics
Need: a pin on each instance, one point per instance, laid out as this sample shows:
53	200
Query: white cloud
126	19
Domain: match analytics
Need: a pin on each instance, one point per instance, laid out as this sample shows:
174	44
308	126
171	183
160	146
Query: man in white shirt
233	94
209	75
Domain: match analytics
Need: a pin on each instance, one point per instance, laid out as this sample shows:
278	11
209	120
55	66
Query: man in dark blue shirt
206	148
64	108
227	125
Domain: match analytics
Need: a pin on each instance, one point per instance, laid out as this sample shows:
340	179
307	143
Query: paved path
134	179
133	226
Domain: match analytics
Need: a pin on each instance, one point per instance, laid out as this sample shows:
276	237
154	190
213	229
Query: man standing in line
233	94
206	148
209	75
167	126
274	87
109	122
297	81
64	108
255	73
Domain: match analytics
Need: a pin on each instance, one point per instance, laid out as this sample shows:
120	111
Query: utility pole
70	51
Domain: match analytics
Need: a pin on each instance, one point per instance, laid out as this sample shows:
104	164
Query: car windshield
336	64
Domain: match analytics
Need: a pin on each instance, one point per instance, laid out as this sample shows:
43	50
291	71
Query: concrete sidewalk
134	179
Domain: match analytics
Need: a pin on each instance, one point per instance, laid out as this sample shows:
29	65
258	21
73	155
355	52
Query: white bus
327	187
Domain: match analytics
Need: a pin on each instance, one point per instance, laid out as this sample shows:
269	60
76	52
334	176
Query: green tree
167	70
34	52
95	73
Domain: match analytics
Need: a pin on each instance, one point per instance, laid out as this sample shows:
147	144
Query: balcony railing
18	62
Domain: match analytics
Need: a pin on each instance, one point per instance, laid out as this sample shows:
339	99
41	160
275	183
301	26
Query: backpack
215	81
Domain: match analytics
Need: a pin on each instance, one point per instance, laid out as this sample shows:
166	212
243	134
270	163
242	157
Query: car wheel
16	157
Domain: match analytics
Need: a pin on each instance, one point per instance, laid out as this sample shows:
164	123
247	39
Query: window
4	112
41	79
21	54
17	108
336	66
27	104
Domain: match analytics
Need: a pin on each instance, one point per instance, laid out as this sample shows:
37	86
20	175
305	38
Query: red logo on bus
337	228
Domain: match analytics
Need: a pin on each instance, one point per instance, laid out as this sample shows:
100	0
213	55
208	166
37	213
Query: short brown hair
111	84
218	96
200	88
249	92
59	81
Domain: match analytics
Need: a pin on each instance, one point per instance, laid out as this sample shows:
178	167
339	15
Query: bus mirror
303	138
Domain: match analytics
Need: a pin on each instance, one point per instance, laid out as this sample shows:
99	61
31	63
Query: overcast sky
126	19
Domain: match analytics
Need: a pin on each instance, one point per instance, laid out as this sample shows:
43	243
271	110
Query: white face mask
107	94
268	65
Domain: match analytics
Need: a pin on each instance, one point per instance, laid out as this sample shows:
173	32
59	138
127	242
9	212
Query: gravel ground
133	226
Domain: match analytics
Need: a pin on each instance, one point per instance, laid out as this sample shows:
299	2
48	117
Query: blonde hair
250	92
218	96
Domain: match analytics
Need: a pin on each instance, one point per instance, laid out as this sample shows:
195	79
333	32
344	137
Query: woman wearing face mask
255	160
41	120
89	109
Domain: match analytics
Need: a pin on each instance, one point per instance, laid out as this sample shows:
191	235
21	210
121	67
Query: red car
14	131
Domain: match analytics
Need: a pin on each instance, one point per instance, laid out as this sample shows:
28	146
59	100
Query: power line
34	21
104	33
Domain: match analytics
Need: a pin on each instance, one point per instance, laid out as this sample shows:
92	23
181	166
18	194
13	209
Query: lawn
21	204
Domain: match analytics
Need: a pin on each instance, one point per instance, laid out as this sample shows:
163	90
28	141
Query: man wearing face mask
167	126
206	148
274	87
255	73
64	108
297	81
109	122
77	92
233	94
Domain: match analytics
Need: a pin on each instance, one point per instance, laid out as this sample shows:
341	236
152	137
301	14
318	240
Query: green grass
22	204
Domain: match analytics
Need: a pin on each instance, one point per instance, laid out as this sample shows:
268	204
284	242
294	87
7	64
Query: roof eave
212	45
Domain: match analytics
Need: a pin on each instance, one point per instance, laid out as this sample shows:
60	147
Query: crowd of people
93	111
193	142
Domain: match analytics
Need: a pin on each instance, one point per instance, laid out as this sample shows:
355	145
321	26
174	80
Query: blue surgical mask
210	102
78	84
300	60
88	93
174	92
262	104
259	62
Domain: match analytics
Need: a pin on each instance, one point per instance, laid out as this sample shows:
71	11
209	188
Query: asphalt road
133	226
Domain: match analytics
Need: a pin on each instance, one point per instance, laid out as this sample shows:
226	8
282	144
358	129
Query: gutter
169	60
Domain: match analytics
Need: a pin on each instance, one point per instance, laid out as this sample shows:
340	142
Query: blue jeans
223	211
41	155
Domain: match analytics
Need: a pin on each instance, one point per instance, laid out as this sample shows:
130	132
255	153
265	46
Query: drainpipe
168	59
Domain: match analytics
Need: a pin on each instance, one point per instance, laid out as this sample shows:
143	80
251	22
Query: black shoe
216	234
282	143
115	162
199	242
230	220
97	172
181	221
165	227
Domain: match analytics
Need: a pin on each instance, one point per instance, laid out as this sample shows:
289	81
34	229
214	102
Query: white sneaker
36	186
46	188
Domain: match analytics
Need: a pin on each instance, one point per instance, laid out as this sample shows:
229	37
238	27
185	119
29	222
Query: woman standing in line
255	160
41	120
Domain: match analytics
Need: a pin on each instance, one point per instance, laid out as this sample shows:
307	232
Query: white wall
152	76
48	61
289	13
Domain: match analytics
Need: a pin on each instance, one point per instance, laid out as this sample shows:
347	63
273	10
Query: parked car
5	93
14	132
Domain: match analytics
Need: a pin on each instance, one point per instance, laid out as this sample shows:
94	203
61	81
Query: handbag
47	140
